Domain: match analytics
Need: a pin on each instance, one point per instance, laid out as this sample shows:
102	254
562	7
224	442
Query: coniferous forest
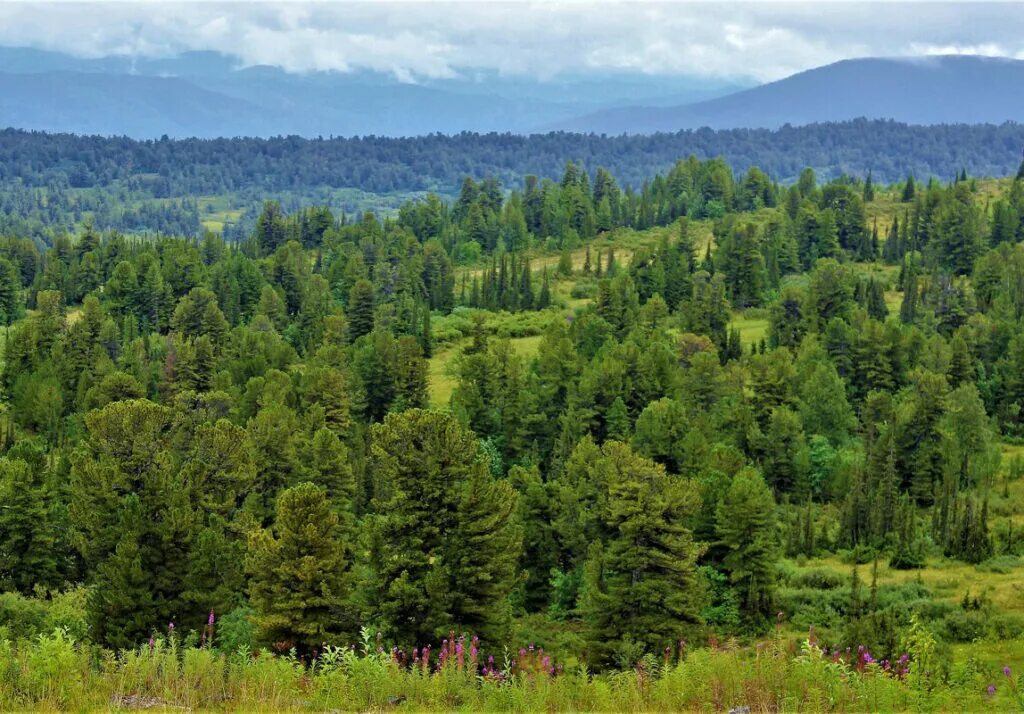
557	441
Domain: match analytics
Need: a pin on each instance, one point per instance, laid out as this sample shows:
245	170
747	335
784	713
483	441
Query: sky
430	40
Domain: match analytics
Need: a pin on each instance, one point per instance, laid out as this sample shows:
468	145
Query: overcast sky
431	39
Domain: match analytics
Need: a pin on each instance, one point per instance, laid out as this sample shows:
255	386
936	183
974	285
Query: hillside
914	91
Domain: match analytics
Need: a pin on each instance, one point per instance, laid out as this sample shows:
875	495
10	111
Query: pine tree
564	264
908	307
359	310
617	421
29	549
526	287
745	524
641	591
299	574
11	307
445	535
544	299
869	189
329	458
909	190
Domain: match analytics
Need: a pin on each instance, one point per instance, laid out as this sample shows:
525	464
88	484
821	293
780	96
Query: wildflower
152	644
211	619
170	627
1006	670
991	689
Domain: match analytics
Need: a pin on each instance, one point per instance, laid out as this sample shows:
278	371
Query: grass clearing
752	329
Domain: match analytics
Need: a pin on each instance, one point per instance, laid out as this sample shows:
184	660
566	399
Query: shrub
961	626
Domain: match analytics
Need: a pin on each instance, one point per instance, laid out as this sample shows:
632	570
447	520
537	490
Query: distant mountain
926	90
206	94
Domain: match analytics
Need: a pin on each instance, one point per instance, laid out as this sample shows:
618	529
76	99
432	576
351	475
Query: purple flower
210	620
1006	670
152	643
170	627
991	689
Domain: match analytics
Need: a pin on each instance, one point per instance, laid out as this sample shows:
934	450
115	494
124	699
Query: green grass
441	367
752	329
52	673
440	374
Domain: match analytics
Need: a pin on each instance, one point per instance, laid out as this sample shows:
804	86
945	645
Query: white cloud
412	40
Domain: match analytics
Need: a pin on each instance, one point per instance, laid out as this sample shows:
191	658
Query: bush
584	289
820	579
29	617
1006	627
961	626
235	631
1001	564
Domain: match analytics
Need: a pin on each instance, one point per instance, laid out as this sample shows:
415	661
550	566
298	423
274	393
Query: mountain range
206	95
951	89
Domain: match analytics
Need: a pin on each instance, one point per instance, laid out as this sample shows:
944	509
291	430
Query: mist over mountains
207	95
204	94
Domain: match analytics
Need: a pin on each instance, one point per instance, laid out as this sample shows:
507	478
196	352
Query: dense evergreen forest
50	182
607	419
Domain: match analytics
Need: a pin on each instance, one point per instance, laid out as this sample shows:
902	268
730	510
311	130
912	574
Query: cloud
421	40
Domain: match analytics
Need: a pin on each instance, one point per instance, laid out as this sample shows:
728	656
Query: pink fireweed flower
152	643
211	619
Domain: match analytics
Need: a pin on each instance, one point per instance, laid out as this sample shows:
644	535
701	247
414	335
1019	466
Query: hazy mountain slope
205	94
92	103
934	90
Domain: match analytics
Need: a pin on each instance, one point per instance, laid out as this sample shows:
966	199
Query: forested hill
190	167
